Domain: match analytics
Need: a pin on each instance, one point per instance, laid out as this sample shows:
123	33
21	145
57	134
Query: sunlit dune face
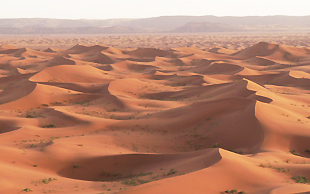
220	116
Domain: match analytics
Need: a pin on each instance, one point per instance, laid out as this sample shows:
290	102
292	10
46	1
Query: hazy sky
102	9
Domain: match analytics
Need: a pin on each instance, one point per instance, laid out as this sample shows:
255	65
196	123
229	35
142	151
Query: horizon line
157	17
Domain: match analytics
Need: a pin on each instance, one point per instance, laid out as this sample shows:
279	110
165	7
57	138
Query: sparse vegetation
32	145
138	104
134	182
279	169
130	182
172	171
52	138
301	179
296	153
26	190
46	181
134	148
233	191
215	145
49	126
29	116
115	175
145	174
85	103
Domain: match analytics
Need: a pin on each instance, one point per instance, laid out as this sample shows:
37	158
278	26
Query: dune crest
101	119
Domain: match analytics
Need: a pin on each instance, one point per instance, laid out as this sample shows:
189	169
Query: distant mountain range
163	24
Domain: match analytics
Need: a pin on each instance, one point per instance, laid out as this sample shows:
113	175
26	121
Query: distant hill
207	27
79	30
58	23
169	24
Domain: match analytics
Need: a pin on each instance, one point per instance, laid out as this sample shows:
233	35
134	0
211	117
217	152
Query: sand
93	119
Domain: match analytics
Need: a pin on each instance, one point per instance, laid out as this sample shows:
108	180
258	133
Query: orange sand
99	119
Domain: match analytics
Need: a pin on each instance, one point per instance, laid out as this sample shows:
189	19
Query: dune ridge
101	119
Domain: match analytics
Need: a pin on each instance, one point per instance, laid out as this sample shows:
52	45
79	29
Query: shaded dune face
149	52
222	68
104	168
99	119
260	49
60	61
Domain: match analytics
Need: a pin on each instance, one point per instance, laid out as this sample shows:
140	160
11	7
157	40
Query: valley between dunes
99	119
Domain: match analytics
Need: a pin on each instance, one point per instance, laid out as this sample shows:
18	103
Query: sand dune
60	61
222	68
149	52
80	73
104	119
133	164
77	49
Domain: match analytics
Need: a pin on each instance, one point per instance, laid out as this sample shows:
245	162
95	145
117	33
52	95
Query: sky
103	9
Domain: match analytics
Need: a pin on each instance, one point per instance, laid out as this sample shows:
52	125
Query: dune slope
98	119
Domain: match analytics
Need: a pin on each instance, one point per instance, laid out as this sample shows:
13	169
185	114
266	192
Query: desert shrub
29	116
279	169
301	179
46	181
215	145
172	171
129	182
49	126
296	153
233	191
27	190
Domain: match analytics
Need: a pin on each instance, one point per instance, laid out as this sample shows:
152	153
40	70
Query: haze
96	9
155	97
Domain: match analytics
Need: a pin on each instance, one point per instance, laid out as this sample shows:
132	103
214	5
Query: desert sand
203	114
